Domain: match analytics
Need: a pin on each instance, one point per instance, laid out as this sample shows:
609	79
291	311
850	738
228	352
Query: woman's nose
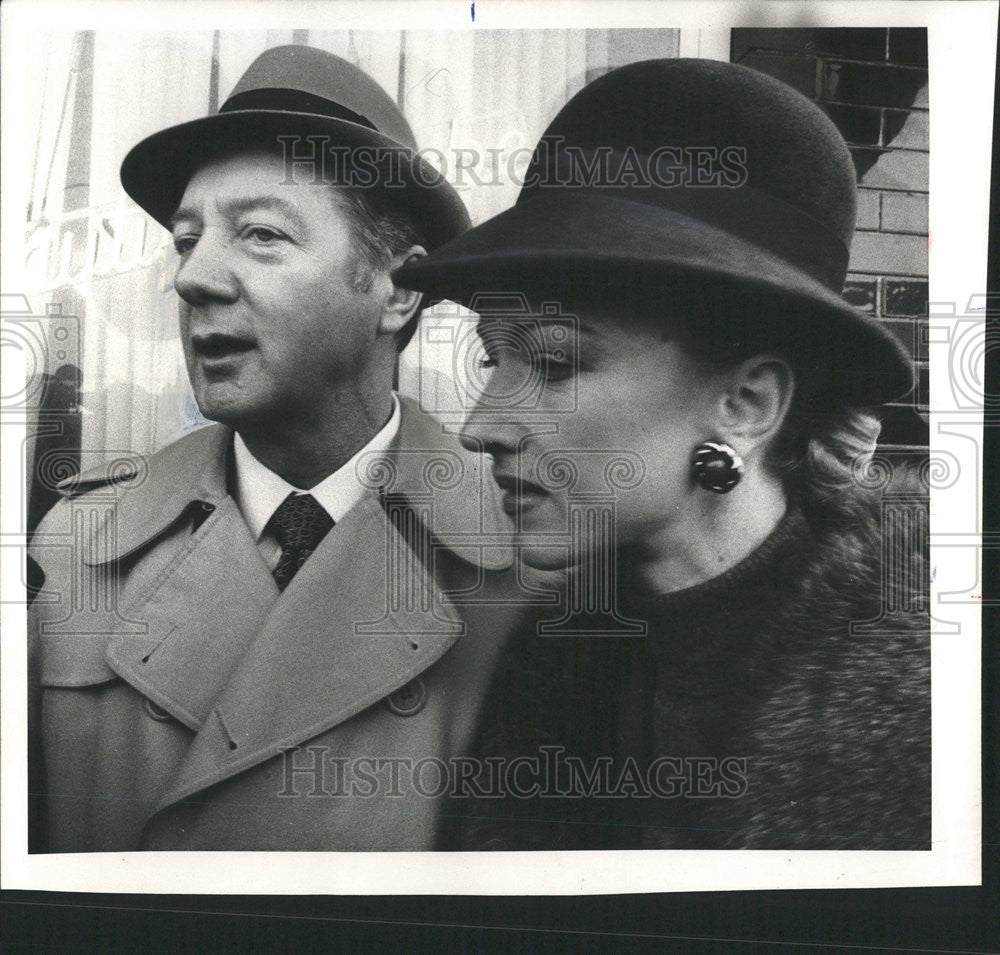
204	273
486	430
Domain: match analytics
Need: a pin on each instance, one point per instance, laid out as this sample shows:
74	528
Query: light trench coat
179	701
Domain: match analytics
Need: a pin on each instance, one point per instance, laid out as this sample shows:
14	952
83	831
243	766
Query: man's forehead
233	206
252	179
256	161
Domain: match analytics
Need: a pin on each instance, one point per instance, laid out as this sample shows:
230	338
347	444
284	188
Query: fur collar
795	662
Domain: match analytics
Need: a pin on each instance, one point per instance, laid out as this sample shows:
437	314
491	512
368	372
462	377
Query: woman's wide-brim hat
322	113
668	175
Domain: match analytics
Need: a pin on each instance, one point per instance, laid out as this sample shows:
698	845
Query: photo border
961	122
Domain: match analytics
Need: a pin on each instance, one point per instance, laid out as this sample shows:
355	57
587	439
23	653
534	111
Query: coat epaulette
123	471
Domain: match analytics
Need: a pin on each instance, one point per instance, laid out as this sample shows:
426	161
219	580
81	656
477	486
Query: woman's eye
184	243
555	367
487	362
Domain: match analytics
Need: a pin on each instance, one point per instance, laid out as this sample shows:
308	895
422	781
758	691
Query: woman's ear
756	400
400	304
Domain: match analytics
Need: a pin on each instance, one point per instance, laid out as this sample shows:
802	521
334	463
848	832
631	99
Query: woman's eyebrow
486	325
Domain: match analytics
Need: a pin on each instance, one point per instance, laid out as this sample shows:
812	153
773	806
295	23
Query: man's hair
380	233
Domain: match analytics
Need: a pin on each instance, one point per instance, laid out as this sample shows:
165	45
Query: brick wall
873	84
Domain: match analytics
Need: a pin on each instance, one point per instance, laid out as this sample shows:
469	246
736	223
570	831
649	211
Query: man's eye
184	243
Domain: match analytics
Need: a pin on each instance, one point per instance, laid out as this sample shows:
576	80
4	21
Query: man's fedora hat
668	175
301	91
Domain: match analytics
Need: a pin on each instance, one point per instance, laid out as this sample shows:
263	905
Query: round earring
716	467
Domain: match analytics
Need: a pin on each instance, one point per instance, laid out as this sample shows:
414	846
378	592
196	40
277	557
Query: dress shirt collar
259	490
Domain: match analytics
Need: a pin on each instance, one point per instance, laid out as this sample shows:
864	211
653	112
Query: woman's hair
823	450
819	457
823	447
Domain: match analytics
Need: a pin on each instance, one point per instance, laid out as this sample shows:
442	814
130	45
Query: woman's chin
559	555
547	557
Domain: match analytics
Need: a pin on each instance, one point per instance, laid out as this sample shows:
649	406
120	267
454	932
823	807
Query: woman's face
585	418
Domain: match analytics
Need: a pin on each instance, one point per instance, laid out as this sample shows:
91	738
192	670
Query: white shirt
259	491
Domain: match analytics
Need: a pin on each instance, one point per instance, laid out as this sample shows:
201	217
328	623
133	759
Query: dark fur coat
782	705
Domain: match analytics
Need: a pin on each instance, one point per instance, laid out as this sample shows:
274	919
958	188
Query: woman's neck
713	534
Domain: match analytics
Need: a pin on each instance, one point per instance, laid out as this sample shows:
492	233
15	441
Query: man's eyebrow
235	207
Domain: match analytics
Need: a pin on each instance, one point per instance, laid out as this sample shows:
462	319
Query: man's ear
400	304
757	398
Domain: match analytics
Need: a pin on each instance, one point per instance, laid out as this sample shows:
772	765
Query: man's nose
204	273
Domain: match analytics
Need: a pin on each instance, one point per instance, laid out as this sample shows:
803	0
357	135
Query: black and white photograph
455	450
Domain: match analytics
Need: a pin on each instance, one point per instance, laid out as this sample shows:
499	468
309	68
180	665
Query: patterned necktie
299	523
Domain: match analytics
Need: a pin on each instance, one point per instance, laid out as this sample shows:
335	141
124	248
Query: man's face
270	320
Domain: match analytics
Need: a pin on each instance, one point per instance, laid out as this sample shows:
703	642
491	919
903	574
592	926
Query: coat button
158	713
409	699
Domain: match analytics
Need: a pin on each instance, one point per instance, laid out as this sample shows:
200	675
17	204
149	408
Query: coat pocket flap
73	659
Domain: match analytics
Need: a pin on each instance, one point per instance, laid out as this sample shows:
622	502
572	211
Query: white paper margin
962	45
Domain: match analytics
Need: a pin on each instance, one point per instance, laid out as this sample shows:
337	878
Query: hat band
768	222
293	101
742	210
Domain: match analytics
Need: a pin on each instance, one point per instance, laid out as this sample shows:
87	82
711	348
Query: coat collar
336	641
425	465
251	672
150	494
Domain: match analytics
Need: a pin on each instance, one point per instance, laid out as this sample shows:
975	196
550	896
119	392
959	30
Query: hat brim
155	172
565	245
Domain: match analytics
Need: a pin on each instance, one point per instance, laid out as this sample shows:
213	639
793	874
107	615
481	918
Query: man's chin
222	414
225	403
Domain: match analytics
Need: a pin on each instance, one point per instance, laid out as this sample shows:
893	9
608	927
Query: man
222	660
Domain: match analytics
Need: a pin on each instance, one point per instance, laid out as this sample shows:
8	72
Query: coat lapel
447	486
197	622
201	621
364	615
333	644
152	495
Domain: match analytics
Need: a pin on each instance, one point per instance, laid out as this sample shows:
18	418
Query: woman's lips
518	495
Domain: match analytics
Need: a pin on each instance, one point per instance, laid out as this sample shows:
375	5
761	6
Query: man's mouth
217	346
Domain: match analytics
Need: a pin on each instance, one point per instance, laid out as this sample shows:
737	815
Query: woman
684	423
